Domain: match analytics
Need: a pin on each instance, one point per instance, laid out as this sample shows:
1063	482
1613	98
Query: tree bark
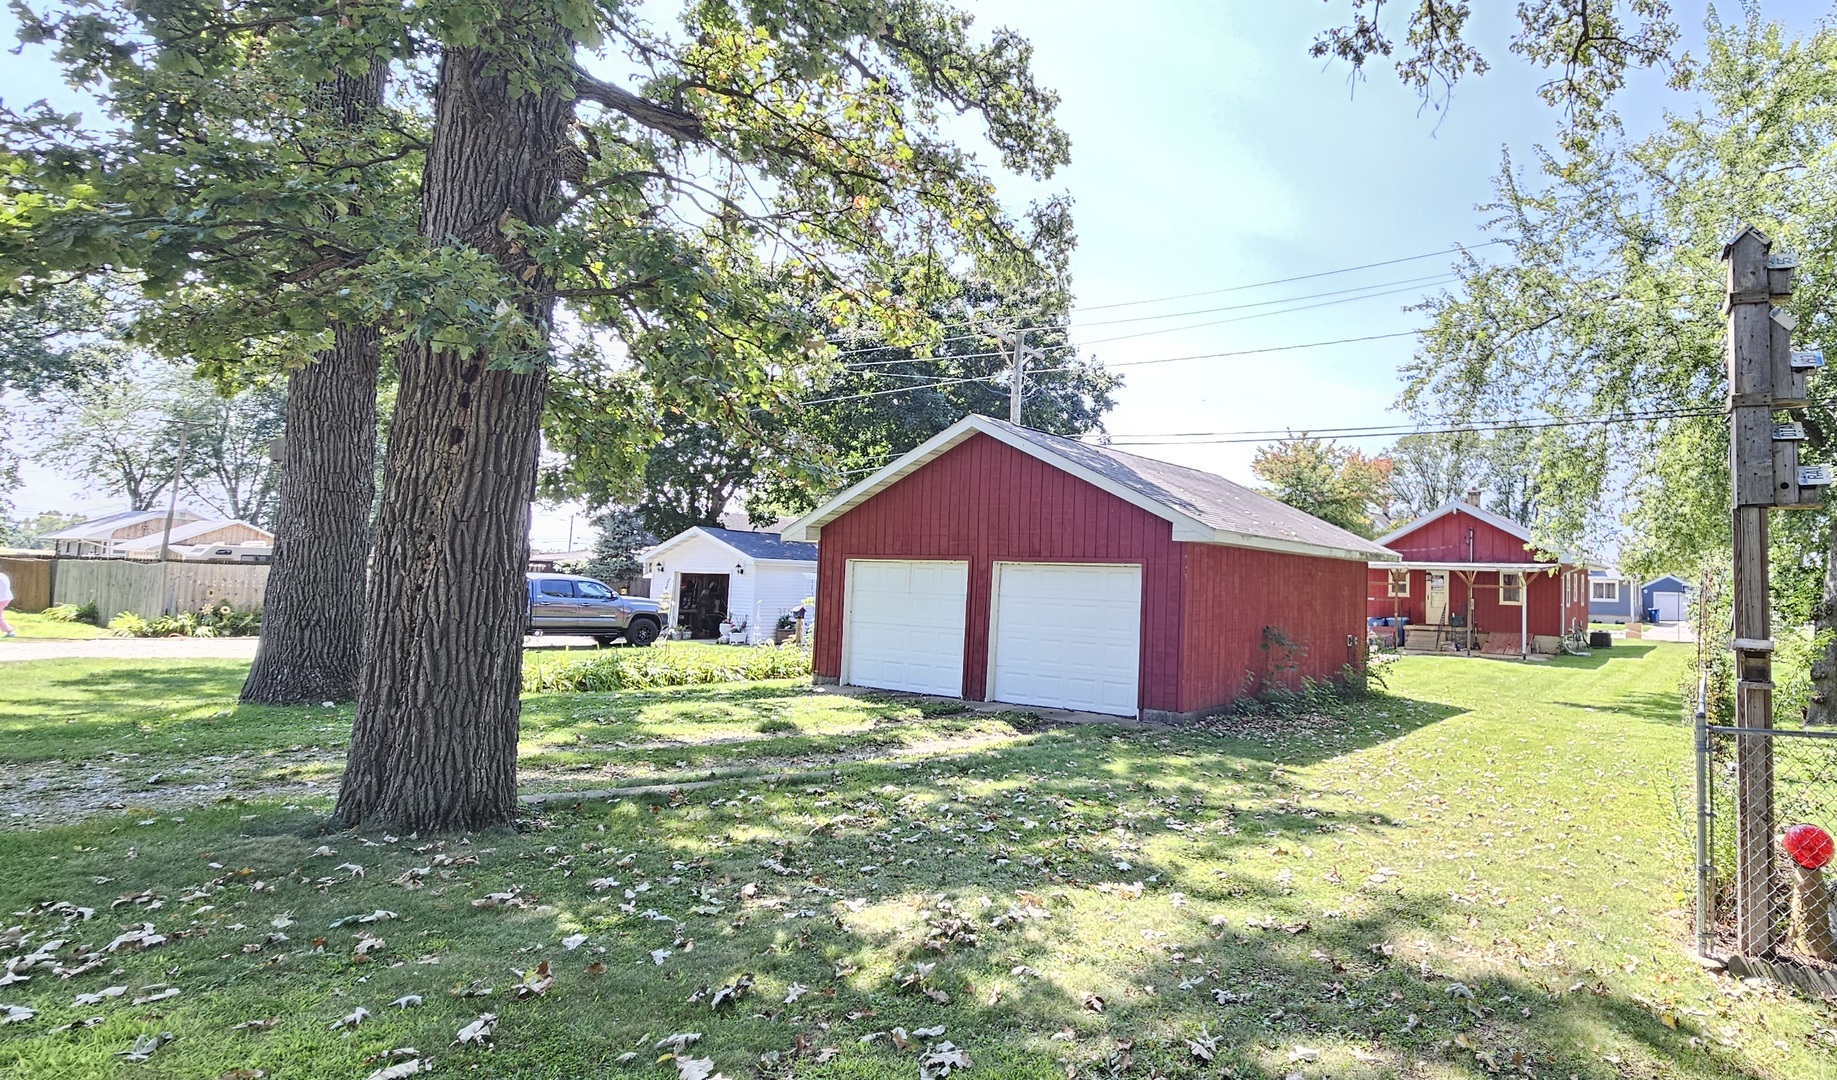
434	744
312	615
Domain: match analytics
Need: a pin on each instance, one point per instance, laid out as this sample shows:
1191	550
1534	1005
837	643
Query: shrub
84	613
221	620
648	669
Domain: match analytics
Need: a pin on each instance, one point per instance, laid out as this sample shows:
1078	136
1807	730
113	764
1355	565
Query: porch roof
1469	567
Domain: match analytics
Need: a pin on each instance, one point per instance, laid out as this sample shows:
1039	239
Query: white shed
704	576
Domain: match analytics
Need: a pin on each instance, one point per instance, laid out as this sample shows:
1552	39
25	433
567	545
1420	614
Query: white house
706	576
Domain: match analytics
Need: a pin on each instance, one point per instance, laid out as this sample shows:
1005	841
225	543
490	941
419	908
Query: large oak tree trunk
312	616
434	745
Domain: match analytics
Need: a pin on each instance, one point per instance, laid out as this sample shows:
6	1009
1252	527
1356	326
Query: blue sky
1210	151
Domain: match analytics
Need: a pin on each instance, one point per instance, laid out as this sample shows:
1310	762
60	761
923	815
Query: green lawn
38	625
1482	873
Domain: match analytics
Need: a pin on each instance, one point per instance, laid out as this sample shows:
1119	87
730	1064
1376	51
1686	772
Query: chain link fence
1767	887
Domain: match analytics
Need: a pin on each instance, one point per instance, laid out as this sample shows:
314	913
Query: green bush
84	613
221	620
648	669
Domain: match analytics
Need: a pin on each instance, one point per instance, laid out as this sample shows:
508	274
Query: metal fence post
1704	813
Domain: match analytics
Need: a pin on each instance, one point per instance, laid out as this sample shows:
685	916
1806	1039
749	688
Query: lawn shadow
1598	658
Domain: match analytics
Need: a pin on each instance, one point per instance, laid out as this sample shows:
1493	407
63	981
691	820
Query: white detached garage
706	576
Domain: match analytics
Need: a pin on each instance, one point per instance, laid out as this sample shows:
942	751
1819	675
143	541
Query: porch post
1524	619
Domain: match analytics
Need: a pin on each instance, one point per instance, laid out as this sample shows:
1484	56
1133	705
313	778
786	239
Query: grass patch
1482	870
41	626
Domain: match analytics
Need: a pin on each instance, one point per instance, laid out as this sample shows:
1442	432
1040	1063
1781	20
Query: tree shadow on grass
1599	658
153	683
1658	708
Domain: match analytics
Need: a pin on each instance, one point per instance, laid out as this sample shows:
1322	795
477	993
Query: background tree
621	537
1431	469
1335	483
230	466
876	403
30	532
119	434
1607	317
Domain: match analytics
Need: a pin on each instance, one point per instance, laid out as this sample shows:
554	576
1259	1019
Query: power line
1300	277
1392	430
1247	318
841	338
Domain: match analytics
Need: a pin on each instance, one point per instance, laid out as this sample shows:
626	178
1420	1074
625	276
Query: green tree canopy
1335	483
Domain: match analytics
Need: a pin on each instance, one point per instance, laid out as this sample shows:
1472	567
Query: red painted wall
1234	593
985	502
1445	540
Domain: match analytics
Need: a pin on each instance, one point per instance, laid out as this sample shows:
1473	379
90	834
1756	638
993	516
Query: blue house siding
1618	611
1666	584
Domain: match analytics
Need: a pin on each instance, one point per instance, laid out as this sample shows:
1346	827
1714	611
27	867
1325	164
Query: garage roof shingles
1211	499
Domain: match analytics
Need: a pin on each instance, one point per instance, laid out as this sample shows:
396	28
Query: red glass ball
1808	845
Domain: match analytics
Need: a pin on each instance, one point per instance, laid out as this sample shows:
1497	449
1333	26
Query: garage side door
905	626
1067	636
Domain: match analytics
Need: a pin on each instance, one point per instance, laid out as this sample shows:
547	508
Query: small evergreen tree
615	553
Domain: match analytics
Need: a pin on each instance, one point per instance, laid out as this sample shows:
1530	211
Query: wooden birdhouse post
1766	375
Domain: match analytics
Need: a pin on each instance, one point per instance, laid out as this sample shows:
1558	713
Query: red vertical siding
1202	604
985	502
1233	594
1445	539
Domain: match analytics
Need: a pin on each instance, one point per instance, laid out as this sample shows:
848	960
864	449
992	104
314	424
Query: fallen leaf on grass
406	1001
100	995
144	1046
402	1069
940	1060
379	915
16	1014
1204	1046
242	1074
679	1042
351	1019
573	941
534	984
478	1032
732	992
160	994
265	1024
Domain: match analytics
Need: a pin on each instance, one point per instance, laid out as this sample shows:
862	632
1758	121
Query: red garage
1000	563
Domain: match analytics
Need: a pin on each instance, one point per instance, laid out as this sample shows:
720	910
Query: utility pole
1765	374
172	505
1020	353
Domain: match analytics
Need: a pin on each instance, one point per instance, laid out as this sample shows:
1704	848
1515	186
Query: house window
1604	590
1399	583
1511	588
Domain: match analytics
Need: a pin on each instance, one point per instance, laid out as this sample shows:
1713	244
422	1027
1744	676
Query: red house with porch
1473	580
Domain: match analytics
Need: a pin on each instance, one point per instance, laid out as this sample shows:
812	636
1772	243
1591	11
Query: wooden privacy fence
31	582
153	588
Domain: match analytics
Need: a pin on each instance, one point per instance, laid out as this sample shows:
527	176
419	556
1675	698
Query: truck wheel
641	631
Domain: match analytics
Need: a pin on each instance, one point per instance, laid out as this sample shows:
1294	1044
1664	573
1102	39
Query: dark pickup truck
567	604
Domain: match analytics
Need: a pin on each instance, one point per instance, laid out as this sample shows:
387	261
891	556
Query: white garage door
1067	636
1670	606
905	626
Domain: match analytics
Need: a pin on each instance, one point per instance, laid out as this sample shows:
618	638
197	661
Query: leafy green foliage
666	664
221	620
29	532
1429	470
86	612
1611	302
1335	483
